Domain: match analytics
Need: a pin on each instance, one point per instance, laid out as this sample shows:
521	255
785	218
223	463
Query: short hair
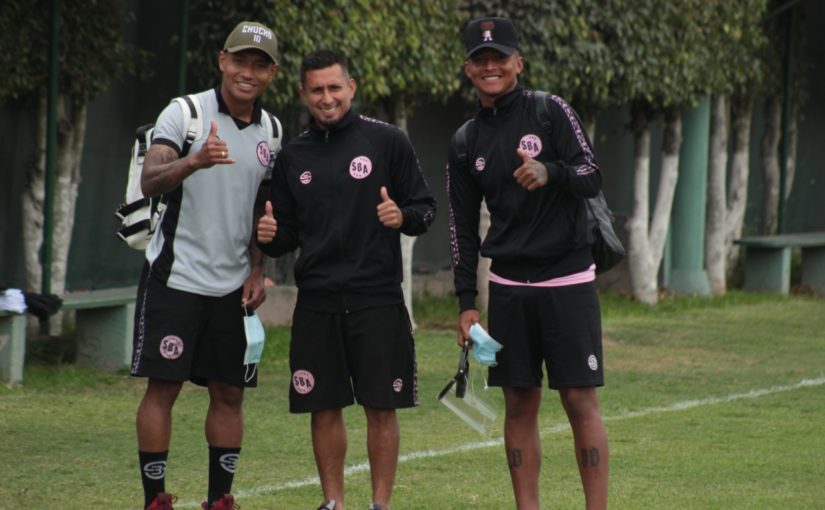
321	59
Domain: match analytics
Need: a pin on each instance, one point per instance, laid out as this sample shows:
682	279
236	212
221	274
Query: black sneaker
327	505
376	506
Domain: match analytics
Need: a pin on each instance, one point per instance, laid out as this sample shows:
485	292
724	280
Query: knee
226	396
580	403
380	418
162	393
522	403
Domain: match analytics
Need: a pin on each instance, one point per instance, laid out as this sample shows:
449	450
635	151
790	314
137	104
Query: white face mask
255	337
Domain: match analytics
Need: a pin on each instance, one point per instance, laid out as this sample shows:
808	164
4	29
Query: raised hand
267	225
388	212
531	174
214	150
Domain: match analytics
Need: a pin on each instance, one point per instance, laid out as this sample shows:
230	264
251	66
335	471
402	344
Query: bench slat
99	298
799	240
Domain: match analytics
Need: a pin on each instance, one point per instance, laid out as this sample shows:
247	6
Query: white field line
553	429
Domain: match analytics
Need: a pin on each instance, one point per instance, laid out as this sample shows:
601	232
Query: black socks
222	465
152	474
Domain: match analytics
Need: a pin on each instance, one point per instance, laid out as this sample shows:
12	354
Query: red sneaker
163	501
227	502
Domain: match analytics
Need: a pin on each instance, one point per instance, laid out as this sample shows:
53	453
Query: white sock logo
229	462
155	470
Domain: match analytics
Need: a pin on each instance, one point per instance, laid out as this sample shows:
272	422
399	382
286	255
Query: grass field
709	404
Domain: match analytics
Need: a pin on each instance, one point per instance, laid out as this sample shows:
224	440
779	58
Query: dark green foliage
92	49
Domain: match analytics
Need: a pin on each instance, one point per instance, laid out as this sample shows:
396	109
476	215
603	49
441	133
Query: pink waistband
585	276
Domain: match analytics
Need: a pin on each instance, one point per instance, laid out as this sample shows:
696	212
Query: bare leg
383	439
329	442
224	419
522	443
590	440
154	416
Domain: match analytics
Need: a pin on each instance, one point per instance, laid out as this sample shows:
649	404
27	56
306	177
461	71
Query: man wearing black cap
203	268
543	306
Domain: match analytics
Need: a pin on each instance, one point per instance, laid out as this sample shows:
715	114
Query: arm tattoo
514	458
590	457
161	170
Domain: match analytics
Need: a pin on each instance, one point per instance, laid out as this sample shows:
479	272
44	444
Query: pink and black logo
303	381
263	153
480	164
306	177
397	385
171	347
360	167
531	144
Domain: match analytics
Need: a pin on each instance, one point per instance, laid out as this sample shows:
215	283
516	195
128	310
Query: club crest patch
480	164
593	363
397	385
306	177
303	381
360	167
171	347
531	144
263	153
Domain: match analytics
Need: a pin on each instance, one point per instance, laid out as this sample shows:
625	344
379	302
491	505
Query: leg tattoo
514	458
590	457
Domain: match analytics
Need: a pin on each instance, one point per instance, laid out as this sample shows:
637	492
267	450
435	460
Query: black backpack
606	247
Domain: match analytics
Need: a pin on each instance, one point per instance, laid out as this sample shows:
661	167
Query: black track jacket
325	192
534	235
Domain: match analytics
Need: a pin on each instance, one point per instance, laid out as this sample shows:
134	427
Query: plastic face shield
464	402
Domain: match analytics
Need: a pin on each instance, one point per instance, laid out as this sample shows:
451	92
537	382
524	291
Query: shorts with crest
559	327
181	336
369	353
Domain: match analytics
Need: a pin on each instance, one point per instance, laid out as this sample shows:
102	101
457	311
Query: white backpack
140	215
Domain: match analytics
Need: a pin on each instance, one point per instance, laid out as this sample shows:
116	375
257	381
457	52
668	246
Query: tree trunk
483	271
71	133
639	255
669	176
716	221
400	120
770	164
793	136
741	117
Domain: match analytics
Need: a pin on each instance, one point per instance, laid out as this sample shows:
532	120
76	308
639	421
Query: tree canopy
92	54
397	48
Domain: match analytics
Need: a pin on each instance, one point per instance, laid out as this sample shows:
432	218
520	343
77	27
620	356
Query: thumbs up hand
388	212
214	150
531	174
267	225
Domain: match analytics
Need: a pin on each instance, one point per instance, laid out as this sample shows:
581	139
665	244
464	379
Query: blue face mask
255	337
484	346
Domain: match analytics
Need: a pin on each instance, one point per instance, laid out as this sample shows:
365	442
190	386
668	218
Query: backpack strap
460	143
274	132
542	111
192	120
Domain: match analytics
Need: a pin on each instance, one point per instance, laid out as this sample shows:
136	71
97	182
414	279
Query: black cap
496	33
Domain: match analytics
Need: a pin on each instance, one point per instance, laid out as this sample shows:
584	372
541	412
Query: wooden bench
103	329
12	346
103	326
768	261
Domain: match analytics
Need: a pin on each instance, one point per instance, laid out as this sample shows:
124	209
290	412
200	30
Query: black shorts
369	352
182	336
560	326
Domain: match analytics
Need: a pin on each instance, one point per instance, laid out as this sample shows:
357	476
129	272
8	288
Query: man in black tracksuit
543	304
343	192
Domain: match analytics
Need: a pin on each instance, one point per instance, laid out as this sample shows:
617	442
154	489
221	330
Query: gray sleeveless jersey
202	244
